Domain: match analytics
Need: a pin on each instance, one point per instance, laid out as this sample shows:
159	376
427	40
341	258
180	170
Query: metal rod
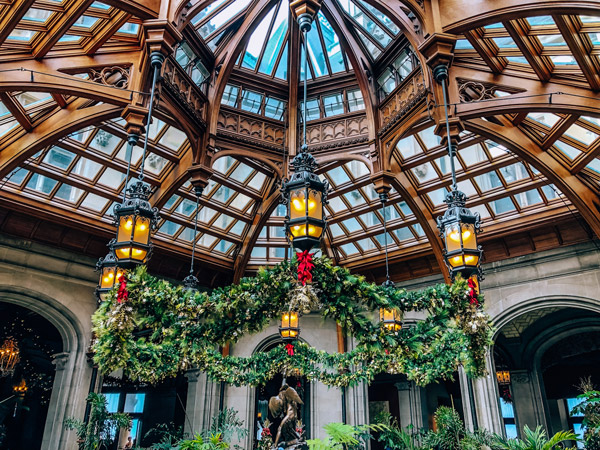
198	194
383	198
154	80
131	141
450	151
305	88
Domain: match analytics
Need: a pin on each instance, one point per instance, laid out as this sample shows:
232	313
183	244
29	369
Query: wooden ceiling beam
54	127
580	49
105	33
12	16
557	132
59	99
518	31
17	111
72	12
488	53
577	192
144	9
586	158
262	215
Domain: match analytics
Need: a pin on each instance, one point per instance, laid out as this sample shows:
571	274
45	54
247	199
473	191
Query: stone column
527	400
410	403
485	397
467	399
202	401
53	430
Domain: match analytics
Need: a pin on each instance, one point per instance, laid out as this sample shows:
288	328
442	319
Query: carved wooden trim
244	126
401	101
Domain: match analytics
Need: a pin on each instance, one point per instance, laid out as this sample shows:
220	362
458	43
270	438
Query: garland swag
160	329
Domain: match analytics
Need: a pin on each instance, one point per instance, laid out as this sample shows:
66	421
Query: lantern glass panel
107	279
141	232
469	237
302	230
453	237
463	260
289	324
125	228
298	206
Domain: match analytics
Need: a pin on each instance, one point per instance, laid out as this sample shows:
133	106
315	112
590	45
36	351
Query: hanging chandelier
304	193
458	226
9	357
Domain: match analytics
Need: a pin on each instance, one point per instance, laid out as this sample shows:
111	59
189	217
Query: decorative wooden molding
242	126
180	87
336	132
116	76
401	101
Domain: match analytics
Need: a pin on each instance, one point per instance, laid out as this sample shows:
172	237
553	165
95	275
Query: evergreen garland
162	329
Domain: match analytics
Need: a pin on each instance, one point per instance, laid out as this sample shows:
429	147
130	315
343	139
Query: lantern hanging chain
450	150
383	198
150	107
198	194
131	140
304	107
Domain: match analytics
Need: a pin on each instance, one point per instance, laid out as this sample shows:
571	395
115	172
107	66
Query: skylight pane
505	42
276	41
374	30
540	20
256	42
281	71
230	95
59	157
372	48
547	119
85	21
274	108
316	54
409	147
173	138
384	19
528	198
332	45
567	149
581	134
37	15
563	60
223	17
129	28
206	11
21	35
41	183
551	40
333	104
338	176
251	101
68	193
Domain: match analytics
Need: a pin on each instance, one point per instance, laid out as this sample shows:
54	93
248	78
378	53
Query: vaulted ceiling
75	77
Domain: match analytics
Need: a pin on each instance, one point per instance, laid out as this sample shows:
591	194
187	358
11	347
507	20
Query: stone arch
72	370
518	308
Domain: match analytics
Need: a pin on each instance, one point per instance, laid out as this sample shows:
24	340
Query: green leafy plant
451	433
534	440
590	408
165	436
199	442
228	425
345	437
162	328
393	436
98	432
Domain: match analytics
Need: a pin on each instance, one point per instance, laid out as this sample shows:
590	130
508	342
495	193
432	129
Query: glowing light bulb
142	227
137	251
128	224
454	236
466	235
311	230
456	260
298	204
469	259
111	275
286	317
311	204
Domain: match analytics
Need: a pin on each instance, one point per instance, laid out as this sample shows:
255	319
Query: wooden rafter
531	49
16	110
12	17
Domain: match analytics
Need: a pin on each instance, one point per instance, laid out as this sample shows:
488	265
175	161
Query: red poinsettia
305	267
122	294
473	292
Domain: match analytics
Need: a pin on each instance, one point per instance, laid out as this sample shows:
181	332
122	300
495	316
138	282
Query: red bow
305	266
290	349
473	292
387	352
122	295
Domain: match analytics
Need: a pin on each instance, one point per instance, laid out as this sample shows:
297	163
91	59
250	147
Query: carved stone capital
403	385
438	49
192	375
456	127
135	116
60	360
520	376
161	36
200	175
382	181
